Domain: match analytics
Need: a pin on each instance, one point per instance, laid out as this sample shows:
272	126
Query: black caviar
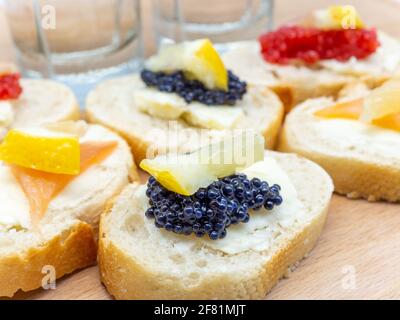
210	210
194	90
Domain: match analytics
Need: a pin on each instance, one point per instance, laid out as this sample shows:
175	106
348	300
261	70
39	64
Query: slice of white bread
363	160
303	82
43	101
66	237
112	105
293	84
139	261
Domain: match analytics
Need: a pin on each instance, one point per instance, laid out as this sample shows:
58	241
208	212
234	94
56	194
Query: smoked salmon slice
41	187
391	121
347	110
353	109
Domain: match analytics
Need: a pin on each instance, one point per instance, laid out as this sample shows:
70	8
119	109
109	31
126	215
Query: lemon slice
198	59
43	150
166	105
337	17
345	17
216	117
163	105
382	102
186	173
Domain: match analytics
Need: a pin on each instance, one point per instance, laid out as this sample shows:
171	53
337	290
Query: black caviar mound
210	210
194	90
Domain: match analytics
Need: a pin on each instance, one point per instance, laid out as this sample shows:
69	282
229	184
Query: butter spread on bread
6	113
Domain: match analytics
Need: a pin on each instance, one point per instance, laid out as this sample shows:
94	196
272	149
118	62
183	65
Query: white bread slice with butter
362	159
296	83
66	237
139	261
42	101
112	104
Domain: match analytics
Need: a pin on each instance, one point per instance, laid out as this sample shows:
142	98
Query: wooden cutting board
357	257
358	254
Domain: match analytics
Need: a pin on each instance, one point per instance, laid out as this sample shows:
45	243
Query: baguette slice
363	160
293	84
138	264
66	237
112	105
303	82
43	101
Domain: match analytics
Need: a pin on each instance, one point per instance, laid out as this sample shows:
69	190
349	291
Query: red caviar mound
9	86
311	44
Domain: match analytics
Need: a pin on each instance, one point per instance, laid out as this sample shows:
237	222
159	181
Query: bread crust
72	249
119	271
125	277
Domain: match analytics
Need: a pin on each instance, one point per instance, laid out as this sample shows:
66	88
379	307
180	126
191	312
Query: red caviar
311	44
9	86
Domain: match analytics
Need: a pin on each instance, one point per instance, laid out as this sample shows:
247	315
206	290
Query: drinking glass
74	41
219	20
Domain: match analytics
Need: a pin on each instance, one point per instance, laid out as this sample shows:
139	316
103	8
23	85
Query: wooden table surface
358	254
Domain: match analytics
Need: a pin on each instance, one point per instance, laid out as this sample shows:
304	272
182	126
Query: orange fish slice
42	187
353	109
346	110
391	121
